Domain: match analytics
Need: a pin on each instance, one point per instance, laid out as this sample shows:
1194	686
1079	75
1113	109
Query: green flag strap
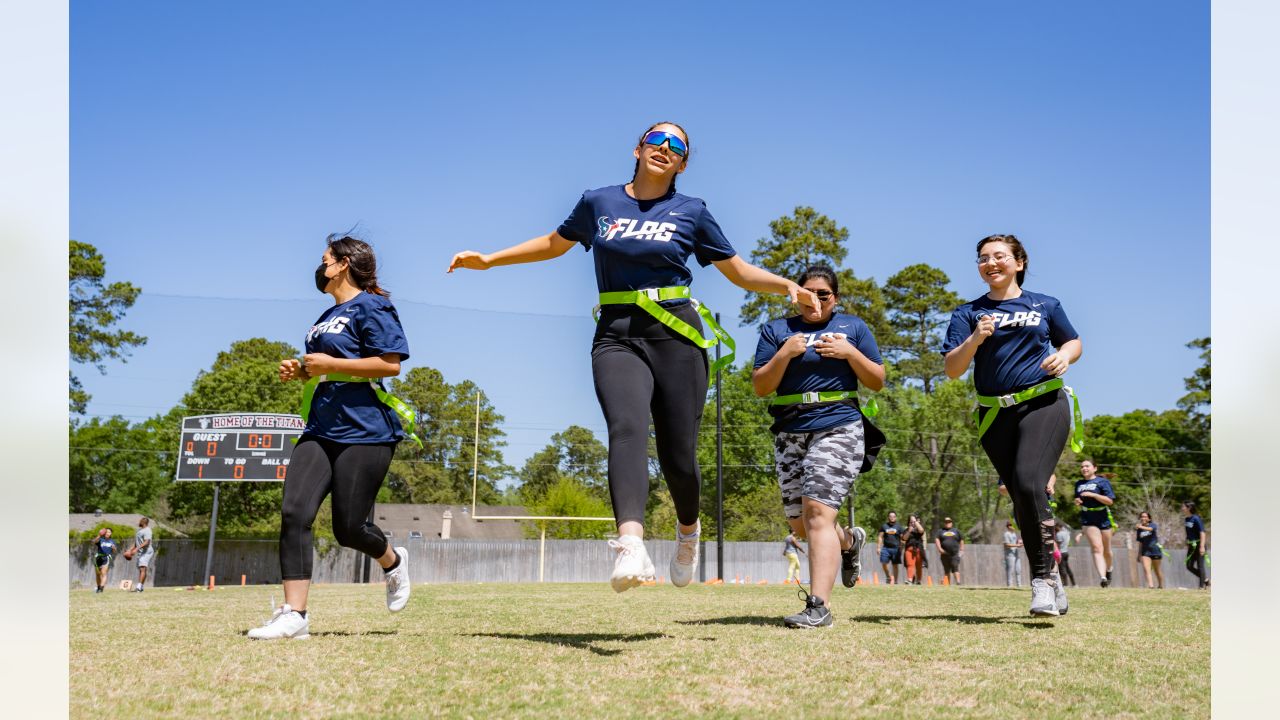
408	419
995	402
871	409
648	301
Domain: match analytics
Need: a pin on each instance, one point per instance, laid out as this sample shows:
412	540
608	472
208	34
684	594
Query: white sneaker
398	583
1043	602
1059	593
685	561
285	623
632	566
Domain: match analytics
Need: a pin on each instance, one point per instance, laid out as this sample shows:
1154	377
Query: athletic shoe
398	583
685	561
814	615
1042	600
1105	582
98	589
286	623
632	566
1059	593
1108	579
138	589
850	564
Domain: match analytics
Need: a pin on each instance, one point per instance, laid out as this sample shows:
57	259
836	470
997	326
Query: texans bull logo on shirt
648	230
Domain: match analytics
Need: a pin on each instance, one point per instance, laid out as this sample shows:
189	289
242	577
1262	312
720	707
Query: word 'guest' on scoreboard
237	446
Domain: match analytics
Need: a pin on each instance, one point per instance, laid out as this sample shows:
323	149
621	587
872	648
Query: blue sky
214	145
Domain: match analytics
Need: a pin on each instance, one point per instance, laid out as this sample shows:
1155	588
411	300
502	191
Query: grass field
501	651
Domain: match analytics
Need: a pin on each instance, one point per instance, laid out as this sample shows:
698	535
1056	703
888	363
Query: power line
398	300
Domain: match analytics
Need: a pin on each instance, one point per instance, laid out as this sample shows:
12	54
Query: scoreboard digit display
237	446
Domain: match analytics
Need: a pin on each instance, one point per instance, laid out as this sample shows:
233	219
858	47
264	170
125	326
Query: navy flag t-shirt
1194	527
1098	485
811	372
891	534
1147	539
106	547
365	326
1028	328
643	244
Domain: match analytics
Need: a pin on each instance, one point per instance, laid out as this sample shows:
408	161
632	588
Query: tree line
932	465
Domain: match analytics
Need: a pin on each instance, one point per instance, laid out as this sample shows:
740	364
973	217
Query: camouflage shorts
819	465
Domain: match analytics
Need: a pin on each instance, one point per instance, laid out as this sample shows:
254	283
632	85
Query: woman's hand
318	364
471	260
986	326
1056	364
794	346
1079	502
291	369
804	298
835	346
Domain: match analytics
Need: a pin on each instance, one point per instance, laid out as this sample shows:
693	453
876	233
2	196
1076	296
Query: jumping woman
352	427
1094	497
1020	344
648	356
815	361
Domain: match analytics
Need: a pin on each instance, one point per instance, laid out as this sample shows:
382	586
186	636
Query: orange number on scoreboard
237	472
211	448
200	471
266	441
280	471
191	446
253	440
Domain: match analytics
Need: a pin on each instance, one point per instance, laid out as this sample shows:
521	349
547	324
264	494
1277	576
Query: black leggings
1065	568
641	367
1195	562
1024	444
352	474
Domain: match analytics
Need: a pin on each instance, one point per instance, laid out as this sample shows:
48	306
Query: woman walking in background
1063	539
1149	550
1094	497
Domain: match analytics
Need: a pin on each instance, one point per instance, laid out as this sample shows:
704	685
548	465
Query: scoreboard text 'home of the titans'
237	446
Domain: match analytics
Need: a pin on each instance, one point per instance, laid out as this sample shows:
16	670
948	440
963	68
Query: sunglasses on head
657	137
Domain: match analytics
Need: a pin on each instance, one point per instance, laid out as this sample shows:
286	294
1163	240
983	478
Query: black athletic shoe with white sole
850	564
814	615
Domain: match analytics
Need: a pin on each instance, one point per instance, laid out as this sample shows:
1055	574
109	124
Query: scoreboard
237	446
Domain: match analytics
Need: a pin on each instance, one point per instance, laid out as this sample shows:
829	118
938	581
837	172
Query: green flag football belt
871	409
648	300
995	402
408	419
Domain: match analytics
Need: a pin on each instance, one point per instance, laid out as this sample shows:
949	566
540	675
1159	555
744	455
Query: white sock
681	536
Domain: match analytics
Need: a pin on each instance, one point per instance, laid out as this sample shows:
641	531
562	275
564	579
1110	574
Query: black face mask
321	280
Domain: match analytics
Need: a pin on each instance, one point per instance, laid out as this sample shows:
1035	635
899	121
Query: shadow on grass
769	621
344	633
582	641
962	619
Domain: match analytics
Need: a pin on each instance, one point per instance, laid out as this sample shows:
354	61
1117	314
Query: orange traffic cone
763	582
875	579
737	579
946	579
929	581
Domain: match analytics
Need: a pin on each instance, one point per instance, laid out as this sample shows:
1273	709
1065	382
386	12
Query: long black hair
361	262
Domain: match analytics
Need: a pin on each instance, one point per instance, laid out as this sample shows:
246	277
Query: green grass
502	651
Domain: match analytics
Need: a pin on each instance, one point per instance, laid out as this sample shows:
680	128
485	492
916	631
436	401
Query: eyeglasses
658	137
1000	258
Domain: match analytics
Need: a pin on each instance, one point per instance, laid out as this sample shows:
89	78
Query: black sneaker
1105	582
1108	578
850	565
814	615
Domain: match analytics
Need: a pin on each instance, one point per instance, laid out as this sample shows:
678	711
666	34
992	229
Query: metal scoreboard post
237	447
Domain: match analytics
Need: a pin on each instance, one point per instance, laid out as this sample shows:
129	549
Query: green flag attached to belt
648	300
408	419
995	402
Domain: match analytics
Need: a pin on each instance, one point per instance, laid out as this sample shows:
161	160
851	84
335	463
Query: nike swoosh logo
676	213
1036	304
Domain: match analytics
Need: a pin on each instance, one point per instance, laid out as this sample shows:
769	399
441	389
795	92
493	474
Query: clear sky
214	145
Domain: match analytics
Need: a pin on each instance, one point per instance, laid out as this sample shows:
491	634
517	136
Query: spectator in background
1094	497
1012	558
104	550
950	545
789	550
913	548
1063	539
1197	541
143	550
1149	550
890	546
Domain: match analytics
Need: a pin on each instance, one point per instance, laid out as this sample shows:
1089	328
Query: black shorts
950	563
